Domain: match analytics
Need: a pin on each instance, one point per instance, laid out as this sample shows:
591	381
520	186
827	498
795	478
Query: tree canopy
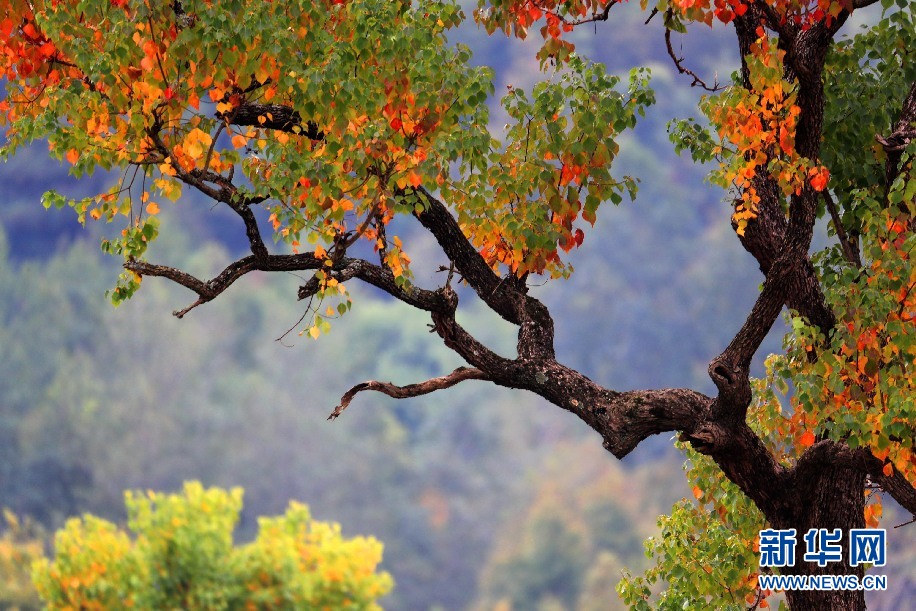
335	125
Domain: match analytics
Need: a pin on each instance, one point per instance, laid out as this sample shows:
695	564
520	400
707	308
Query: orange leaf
152	208
414	178
73	156
697	492
819	178
888	469
807	439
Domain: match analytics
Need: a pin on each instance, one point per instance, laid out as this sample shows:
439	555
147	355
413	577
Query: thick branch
746	461
780	247
500	294
904	132
272	116
895	485
506	296
411	390
827	453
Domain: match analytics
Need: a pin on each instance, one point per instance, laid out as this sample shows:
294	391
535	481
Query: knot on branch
734	387
707	438
897	141
310	288
449	297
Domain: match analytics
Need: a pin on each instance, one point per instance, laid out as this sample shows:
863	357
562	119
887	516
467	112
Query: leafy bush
182	557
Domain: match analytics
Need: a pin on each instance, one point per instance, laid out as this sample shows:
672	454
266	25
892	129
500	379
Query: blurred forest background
483	497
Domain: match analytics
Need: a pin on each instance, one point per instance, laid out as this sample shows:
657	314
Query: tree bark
831	499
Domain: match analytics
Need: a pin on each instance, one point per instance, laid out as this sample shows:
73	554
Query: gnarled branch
507	296
343	270
410	390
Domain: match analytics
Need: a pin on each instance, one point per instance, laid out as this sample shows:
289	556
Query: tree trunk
830	499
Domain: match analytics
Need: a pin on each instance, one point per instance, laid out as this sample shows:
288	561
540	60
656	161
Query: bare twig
679	64
411	390
850	248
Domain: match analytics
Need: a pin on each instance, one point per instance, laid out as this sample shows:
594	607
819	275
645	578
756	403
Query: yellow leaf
201	136
166	167
196	142
314	332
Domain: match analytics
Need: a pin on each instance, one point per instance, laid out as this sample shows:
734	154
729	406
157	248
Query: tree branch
904	133
411	390
679	64
272	116
224	191
507	296
849	246
896	485
832	453
780	247
343	270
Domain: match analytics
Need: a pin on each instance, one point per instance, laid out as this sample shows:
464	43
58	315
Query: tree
183	558
345	119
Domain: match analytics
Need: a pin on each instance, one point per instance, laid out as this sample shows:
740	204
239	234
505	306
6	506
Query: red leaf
807	439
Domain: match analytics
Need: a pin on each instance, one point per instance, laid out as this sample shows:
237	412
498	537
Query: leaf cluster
182	557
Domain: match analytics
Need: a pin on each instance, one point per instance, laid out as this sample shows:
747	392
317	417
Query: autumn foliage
181	556
338	117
